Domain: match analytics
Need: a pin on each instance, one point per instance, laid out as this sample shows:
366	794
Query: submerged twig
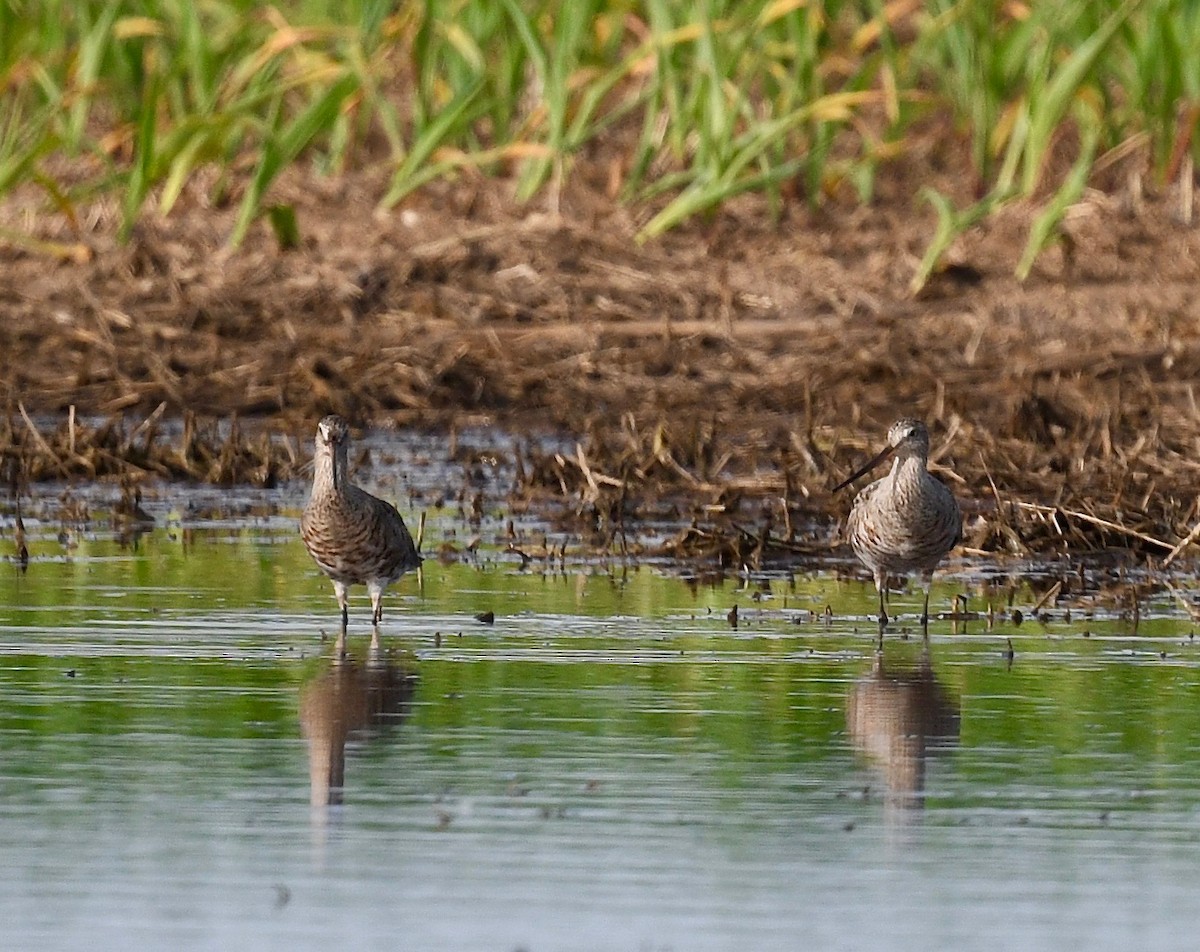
41	442
1192	610
1183	544
1050	595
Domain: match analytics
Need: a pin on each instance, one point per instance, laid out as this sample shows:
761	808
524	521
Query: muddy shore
737	357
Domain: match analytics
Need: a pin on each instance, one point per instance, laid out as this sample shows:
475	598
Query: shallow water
610	765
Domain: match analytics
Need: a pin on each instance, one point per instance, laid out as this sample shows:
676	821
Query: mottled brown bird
906	522
355	538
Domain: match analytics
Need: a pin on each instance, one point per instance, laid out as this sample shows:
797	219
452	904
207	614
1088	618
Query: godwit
355	538
907	521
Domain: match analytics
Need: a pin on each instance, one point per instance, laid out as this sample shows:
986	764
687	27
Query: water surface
609	765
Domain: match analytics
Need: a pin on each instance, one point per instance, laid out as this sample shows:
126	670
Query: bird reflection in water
897	715
348	699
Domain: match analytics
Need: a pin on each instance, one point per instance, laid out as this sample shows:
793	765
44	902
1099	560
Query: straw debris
720	378
209	451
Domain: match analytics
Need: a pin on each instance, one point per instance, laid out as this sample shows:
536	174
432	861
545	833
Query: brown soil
737	357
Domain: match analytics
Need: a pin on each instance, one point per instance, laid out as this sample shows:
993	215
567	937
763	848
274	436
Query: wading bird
355	538
906	522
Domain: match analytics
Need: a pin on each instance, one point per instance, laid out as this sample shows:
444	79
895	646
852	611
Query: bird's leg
925	610
881	582
376	591
340	589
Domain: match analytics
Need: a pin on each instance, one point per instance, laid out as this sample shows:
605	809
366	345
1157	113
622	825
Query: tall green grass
697	100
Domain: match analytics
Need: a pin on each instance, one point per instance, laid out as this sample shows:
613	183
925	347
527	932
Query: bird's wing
957	517
390	525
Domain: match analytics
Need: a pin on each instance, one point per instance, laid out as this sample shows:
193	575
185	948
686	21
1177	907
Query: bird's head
332	431
909	437
906	437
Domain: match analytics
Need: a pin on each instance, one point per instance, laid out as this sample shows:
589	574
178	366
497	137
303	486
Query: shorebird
355	538
906	522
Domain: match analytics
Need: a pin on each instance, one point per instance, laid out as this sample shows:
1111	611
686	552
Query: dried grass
207	452
733	370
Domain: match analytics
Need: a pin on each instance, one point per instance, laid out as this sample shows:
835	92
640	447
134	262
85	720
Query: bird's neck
907	470
329	470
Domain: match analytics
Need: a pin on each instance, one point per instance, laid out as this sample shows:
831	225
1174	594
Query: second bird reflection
348	699
897	715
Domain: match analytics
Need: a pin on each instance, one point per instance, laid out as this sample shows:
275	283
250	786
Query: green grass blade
453	117
141	176
1045	225
951	223
91	54
282	148
1050	105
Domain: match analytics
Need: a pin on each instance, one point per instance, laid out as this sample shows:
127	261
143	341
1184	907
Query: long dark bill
862	471
338	451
